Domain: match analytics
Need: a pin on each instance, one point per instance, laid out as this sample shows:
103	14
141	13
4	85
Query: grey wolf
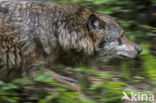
36	34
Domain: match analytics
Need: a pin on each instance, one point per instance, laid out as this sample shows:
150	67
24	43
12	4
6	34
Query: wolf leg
62	79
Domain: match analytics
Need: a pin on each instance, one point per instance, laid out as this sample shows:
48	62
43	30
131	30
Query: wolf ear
93	22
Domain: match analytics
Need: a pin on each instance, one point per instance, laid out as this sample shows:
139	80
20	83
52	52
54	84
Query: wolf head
114	42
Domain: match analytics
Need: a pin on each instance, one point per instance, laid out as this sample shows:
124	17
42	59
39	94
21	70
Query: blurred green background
109	78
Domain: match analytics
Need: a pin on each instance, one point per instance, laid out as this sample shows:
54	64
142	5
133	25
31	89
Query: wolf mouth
124	56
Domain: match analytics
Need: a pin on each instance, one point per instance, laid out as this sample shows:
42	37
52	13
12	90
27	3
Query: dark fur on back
35	33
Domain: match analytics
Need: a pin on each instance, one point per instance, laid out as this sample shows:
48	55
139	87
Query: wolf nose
139	50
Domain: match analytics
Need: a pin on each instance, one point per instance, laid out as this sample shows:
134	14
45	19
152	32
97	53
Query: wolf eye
122	36
120	39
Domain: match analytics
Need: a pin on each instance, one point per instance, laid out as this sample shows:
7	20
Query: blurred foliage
138	18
